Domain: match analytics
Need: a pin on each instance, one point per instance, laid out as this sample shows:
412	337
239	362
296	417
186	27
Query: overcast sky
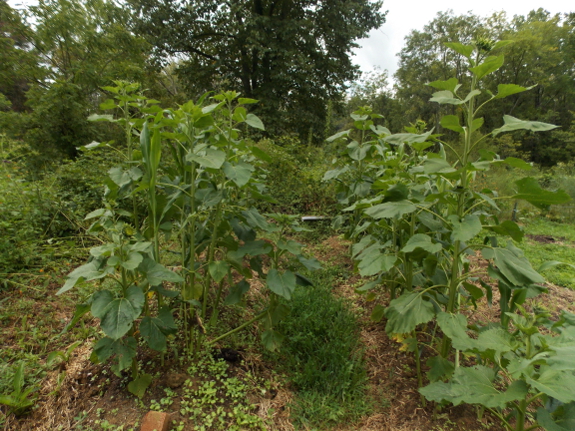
381	48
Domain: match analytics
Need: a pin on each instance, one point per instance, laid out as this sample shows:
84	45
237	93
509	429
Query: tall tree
293	55
541	55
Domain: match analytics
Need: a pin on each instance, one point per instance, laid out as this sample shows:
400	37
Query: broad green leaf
471	95
281	284
213	158
564	418
437	165
512	123
509	228
253	248
563	358
261	154
377	313
496	339
334	173
133	261
97	213
558	384
155	329
338	135
529	189
422	241
272	340
105	117
247	101
501	44
240	114
108	104
81	310
406	312
451	122
138	387
124	349
253	121
450	85
407	138
218	270
150	329
476	124
439	368
312	264
372	261
398	192
445	98
552	264
466	229
291	246
117	316
474	386
464	50
255	219
87	272
515	267
391	209
156	273
504	90
237	292
515	162
454	326
239	173
489	65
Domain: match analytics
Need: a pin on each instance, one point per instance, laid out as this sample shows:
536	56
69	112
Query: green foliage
323	357
538	57
203	196
516	369
295	56
293	178
415	214
18	401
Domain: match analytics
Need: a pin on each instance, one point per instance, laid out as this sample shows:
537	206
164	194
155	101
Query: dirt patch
546	239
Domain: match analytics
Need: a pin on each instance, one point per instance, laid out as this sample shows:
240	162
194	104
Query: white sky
383	45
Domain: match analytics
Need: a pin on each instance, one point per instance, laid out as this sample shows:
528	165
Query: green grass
323	356
563	250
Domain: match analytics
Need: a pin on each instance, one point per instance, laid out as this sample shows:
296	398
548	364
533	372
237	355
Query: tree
541	55
80	46
18	66
292	55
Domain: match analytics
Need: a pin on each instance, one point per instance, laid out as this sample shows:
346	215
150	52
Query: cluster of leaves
203	196
415	213
515	371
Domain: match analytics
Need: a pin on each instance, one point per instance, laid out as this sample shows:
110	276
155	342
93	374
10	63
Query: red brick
156	421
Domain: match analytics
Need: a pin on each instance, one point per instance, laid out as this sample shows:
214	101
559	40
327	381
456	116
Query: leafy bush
294	174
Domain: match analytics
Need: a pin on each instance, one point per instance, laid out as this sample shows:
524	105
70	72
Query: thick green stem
242	326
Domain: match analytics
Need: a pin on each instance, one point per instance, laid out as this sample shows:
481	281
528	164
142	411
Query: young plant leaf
529	189
281	284
504	90
406	312
512	123
489	65
138	387
255	122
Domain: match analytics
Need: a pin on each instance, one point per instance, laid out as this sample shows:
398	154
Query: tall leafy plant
438	213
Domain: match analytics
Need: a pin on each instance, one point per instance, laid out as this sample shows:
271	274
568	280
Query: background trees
541	55
293	55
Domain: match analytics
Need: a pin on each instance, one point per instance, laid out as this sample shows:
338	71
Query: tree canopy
293	55
542	54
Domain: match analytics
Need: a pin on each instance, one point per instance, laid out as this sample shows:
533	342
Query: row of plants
418	223
181	234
